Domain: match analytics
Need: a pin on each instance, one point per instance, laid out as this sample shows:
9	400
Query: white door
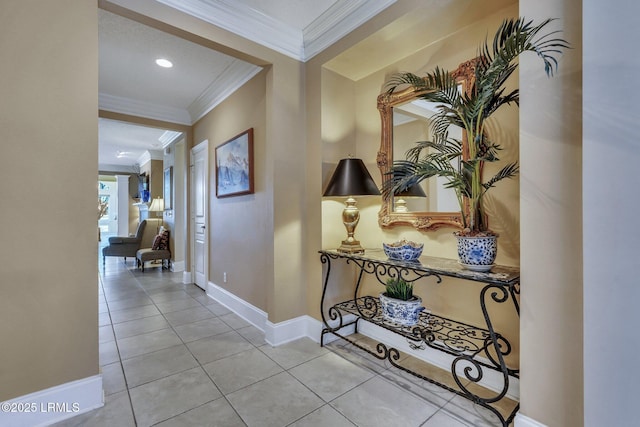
199	200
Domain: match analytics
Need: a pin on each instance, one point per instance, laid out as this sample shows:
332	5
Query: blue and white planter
405	313
477	253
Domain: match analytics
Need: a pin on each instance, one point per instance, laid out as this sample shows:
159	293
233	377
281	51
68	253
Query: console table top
501	275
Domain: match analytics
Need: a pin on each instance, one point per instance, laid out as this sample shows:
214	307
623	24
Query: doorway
108	214
199	209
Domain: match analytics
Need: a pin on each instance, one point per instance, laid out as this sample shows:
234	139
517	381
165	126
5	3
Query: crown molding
123	105
127	169
230	80
233	77
149	155
244	21
168	137
336	22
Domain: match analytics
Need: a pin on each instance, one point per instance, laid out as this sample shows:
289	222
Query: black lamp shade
413	191
351	178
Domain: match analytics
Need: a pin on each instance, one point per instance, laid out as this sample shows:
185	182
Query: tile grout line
170	286
135	421
200	365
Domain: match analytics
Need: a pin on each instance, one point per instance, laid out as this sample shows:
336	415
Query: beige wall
174	218
153	169
551	384
284	146
48	116
49	307
359	133
240	234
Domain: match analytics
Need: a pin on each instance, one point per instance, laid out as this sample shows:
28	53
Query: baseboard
315	327
52	405
186	277
177	266
275	333
491	379
305	326
524	421
301	327
283	332
248	312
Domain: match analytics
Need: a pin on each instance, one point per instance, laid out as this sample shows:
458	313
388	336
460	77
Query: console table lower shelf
475	353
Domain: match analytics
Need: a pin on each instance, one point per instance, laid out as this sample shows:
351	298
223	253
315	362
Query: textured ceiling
128	51
131	83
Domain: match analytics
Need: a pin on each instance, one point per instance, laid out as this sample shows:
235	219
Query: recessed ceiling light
165	63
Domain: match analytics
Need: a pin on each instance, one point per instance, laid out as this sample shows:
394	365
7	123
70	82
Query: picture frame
168	188
234	166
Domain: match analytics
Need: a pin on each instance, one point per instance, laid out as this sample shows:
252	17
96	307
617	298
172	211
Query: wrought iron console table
472	348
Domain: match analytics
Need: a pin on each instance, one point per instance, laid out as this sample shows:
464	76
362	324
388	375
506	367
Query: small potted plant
461	166
399	305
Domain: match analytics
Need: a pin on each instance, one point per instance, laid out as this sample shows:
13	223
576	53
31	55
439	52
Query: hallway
171	356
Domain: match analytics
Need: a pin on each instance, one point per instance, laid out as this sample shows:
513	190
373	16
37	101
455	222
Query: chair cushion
156	242
161	241
150	254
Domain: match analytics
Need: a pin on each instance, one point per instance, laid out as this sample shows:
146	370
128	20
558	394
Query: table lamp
399	204
157	205
351	178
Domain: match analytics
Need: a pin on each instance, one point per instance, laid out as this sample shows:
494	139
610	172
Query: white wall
123	204
611	182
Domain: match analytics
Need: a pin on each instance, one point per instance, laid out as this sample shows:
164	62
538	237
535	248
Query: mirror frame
421	220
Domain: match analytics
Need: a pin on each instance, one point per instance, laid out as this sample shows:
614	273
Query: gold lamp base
351	247
350	219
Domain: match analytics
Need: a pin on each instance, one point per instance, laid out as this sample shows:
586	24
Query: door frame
202	146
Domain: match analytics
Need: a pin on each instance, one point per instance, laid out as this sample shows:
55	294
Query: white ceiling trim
118	168
135	107
149	155
245	21
168	137
230	80
233	77
339	20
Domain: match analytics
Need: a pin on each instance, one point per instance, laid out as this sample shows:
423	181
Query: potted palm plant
461	165
398	303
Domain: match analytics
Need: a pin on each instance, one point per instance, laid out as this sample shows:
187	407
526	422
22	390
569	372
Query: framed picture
234	166
168	188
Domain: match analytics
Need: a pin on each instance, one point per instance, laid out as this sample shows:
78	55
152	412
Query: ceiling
131	83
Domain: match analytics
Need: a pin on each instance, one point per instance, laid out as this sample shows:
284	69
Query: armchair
124	246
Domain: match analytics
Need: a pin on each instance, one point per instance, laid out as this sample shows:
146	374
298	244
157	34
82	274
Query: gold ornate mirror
405	119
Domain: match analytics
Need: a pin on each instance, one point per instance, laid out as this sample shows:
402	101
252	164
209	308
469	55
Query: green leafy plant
444	156
399	289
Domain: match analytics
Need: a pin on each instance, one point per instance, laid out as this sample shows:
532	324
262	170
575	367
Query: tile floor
171	356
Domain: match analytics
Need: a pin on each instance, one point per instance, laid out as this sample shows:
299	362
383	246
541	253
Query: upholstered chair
158	251
124	246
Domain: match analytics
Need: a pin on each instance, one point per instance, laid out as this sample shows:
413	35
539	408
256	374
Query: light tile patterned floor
171	356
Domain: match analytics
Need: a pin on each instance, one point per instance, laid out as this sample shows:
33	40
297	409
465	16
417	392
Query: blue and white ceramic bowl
477	253
403	250
406	313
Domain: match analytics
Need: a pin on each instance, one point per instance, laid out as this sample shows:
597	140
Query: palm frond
402	79
509	171
452	149
444	156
